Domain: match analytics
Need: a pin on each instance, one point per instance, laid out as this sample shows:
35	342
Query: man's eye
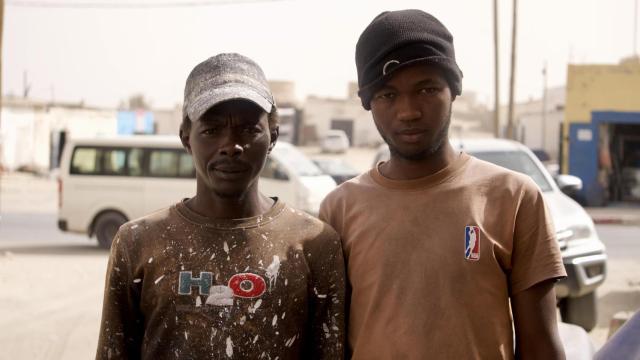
209	131
385	96
251	130
431	90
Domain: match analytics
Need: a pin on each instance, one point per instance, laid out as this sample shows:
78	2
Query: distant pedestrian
438	244
228	273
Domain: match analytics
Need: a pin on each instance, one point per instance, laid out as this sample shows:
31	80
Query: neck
398	168
209	204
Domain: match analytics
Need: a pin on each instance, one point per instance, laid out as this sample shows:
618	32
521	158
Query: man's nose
230	147
407	108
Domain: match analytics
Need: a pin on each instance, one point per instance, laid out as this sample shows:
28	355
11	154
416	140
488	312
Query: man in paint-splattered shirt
228	273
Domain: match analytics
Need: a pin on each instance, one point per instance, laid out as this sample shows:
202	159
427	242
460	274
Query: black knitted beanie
395	39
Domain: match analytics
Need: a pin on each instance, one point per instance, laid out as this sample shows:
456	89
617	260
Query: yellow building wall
599	88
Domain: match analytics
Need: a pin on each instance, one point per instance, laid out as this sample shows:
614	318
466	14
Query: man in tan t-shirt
442	249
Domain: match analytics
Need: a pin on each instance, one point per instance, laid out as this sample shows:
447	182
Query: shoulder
146	226
361	185
306	225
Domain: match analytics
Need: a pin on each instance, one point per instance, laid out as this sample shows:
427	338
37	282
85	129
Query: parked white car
583	253
334	141
105	182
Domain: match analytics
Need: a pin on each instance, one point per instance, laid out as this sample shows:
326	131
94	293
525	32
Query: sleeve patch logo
472	243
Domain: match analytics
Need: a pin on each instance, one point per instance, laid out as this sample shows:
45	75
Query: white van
105	182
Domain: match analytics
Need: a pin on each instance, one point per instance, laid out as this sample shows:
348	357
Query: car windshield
517	161
297	161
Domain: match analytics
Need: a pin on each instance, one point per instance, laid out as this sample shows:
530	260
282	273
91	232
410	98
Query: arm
326	297
535	322
121	326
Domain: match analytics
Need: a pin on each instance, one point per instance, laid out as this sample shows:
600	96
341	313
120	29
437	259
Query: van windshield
297	162
516	161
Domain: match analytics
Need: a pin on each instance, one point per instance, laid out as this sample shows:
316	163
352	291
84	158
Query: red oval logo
247	285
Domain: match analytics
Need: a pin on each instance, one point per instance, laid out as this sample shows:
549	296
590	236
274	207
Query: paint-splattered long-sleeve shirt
181	286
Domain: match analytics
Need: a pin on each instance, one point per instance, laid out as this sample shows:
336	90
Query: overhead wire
126	5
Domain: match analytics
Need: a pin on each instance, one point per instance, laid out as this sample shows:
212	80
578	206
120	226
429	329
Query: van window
170	163
99	161
84	161
136	159
185	166
113	162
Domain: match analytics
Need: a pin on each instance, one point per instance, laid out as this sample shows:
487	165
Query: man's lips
411	131
411	135
228	167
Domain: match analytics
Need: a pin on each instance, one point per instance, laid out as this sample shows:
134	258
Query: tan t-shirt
182	286
432	262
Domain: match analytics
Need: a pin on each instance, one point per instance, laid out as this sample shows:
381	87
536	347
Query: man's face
229	145
412	111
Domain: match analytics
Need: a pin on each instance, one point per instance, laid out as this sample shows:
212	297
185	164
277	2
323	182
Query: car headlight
572	233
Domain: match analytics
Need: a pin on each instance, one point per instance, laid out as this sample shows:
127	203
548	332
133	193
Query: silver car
583	253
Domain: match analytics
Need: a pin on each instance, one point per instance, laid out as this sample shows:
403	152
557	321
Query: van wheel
580	310
107	226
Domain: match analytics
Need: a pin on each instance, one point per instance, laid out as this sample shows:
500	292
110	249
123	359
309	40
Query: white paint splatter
286	281
252	309
264	236
198	301
273	270
150	260
226	247
283	315
256	338
243	319
186	335
220	295
212	256
134	226
275	320
135	281
325	328
321	296
290	341
159	279
229	347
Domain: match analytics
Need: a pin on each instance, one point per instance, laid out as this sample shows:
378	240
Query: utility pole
496	105
635	28
510	128
544	107
1	142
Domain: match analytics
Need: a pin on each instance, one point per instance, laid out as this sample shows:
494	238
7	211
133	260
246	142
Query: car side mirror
569	184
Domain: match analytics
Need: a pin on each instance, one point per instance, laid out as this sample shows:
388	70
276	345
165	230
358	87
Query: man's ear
184	138
274	136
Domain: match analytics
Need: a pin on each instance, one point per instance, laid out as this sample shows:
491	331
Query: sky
104	55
